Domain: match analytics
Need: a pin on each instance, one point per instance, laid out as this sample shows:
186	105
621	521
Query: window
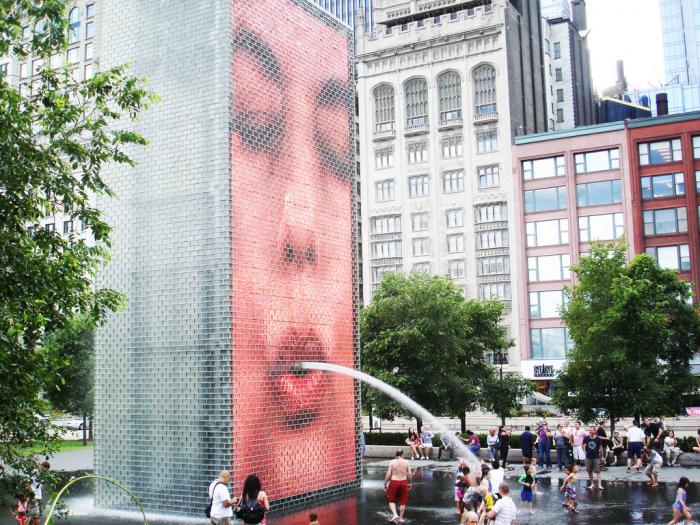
547	233
696	147
493	265
90	10
388	30
597	193
386	249
488	176
379	271
488	7
557	49
89	68
384	110
26	32
420	23
3	69
73	55
452	146
88	51
550	343
436	20
453	181
420	247
385	224
491	213
546	199
668	220
601	227
486	141
660	152
455	243
50	227
548	268
419	222
543	168
417	152
560	95
384	158
385	191
416	93
404	28
90	30
453	16
498	291
560	115
456	269
67	227
546	305
418	186
24	70
589	162
36	66
56	60
421	267
74	25
675	257
558	75
663	186
484	82
491	239
455	218
450	95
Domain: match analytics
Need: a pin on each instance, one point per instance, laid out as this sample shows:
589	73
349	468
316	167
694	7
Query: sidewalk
83	459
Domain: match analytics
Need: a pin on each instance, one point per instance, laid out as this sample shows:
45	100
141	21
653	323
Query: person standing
504	511
635	444
221	502
496	476
253	497
527	443
492	442
504	443
592	444
426	438
397	483
528	482
578	435
543	446
680	509
656	461
561	442
600	432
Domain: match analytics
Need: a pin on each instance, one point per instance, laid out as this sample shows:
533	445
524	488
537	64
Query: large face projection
292	218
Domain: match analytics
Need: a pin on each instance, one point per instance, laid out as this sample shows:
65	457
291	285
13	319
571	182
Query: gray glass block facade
234	243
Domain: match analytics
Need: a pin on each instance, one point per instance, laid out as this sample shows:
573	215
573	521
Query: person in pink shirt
578	435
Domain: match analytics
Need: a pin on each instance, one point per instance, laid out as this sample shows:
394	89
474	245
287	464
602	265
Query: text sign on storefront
693	411
543	371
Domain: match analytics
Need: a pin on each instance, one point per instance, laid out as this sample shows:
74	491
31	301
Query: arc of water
472	461
93	476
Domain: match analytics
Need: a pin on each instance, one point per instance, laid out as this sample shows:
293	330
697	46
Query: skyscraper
680	26
347	10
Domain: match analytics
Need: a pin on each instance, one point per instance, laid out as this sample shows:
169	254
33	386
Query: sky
628	30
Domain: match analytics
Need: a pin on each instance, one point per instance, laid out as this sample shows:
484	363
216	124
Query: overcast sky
627	30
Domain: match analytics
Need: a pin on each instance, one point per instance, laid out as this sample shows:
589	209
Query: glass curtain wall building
347	10
680	24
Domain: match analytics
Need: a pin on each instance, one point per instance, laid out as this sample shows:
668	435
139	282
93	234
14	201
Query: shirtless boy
397	483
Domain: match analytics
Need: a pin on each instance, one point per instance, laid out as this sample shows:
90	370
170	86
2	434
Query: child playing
486	503
528	482
569	488
461	486
313	518
21	510
680	509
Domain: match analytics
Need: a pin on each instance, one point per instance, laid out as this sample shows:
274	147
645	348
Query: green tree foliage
421	336
635	333
53	146
502	395
71	386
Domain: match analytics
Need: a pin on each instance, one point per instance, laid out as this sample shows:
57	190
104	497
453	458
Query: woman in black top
504	444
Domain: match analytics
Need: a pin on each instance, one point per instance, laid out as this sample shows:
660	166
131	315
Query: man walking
221	502
504	511
397	483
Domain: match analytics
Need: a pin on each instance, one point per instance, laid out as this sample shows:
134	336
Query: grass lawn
64	446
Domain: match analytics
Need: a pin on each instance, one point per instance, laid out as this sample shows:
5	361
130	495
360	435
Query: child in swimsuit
569	488
680	509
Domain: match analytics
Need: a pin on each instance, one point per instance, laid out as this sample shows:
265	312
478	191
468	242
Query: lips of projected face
299	393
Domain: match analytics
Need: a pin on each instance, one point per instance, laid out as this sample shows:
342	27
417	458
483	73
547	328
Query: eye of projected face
332	134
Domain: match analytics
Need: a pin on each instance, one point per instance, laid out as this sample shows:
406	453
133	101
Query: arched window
74	25
416	102
484	78
384	109
450	93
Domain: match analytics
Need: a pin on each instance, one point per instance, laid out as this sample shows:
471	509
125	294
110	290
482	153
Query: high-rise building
442	91
350	11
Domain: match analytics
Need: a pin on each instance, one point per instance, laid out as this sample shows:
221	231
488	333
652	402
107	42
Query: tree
635	332
54	144
502	395
71	386
421	336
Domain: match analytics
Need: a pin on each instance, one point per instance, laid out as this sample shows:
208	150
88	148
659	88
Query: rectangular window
493	265
488	176
421	267
90	30
601	227
386	249
696	147
558	75
90	10
455	243
589	162
26	32
667	220
36	66
419	222
420	247
560	115
452	147
560	95
495	291
491	239
550	343
546	199
546	305
486	141
455	218
661	186
598	193
384	158
56	60
73	55
491	213
89	51
674	257
418	186
420	23
67	227
436	20
456	269
417	152
547	233
25	70
453	16
50	227
385	224
660	152
89	69
544	168
557	49
548	268
384	190
453	181
3	69
379	271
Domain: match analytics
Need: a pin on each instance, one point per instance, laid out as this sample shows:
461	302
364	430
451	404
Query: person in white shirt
654	467
493	444
504	511
635	444
496	476
221	502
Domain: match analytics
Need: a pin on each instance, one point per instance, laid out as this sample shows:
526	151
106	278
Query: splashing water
469	458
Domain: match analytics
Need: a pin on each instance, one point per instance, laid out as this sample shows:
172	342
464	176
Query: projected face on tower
292	248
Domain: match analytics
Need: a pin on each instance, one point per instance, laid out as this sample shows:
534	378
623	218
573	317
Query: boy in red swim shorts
397	483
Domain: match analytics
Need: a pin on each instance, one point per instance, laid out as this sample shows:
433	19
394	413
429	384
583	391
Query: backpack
207	510
250	511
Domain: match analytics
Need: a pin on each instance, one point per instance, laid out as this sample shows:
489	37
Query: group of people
29	507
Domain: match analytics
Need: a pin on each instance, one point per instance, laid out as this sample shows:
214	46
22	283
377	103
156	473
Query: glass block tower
235	242
347	11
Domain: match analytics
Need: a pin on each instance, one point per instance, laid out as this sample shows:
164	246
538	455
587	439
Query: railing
384	134
486	117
